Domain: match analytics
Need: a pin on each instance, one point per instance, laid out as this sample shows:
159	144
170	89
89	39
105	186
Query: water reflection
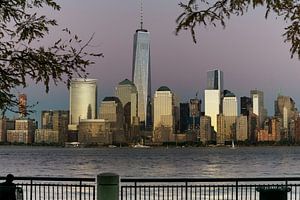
154	162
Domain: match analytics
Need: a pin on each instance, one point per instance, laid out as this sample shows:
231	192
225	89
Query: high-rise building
246	105
164	118
83	100
22	105
212	106
127	93
111	110
242	128
141	75
205	132
213	95
5	125
229	104
56	120
286	109
184	117
257	97
226	129
23	133
195	112
215	80
123	91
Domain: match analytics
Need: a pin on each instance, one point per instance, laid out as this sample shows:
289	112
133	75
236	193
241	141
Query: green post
108	186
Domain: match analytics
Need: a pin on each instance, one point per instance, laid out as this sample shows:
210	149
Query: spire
141	14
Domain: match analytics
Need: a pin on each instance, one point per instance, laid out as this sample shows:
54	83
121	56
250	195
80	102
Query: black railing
207	189
48	188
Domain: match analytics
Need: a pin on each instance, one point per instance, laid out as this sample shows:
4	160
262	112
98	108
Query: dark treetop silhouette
211	12
20	25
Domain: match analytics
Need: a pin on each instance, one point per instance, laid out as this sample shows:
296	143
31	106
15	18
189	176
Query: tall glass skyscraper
215	80
141	75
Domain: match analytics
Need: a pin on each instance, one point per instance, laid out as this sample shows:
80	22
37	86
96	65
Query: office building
47	136
226	129
112	111
212	106
141	75
195	113
257	97
127	93
213	95
205	132
246	105
163	114
5	125
83	101
242	128
285	108
230	105
23	132
56	120
95	131
215	80
22	105
184	117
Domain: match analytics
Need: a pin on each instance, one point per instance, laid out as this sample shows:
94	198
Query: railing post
236	190
31	189
80	186
186	190
135	191
108	186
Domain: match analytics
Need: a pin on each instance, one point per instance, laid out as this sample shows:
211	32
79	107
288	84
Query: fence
208	189
47	188
44	188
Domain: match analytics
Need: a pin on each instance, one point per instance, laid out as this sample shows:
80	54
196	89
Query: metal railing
48	188
207	189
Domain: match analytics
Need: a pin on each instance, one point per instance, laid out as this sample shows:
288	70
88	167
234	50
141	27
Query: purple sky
250	51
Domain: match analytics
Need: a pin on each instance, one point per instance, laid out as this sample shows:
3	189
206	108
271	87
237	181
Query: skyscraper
229	104
213	95
215	80
163	114
246	106
83	100
257	97
141	75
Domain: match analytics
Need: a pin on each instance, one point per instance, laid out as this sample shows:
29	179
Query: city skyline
252	58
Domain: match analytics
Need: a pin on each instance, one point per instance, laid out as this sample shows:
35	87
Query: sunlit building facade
164	118
83	100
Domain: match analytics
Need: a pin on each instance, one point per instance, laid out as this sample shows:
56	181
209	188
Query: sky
250	51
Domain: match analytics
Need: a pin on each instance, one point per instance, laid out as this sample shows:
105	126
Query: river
153	162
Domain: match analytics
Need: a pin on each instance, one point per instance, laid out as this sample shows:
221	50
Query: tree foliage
21	60
216	12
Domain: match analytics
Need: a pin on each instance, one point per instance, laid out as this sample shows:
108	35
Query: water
154	162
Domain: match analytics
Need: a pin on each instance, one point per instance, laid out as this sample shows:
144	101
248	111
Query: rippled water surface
154	162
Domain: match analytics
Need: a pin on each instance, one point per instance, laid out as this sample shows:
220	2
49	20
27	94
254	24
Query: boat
141	146
112	146
232	144
72	144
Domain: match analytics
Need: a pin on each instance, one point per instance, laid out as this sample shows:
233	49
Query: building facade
83	100
95	131
141	75
164	119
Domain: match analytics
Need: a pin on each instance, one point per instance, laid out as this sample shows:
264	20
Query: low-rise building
95	131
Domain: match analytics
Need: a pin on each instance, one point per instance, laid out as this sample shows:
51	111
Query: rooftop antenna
142	14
